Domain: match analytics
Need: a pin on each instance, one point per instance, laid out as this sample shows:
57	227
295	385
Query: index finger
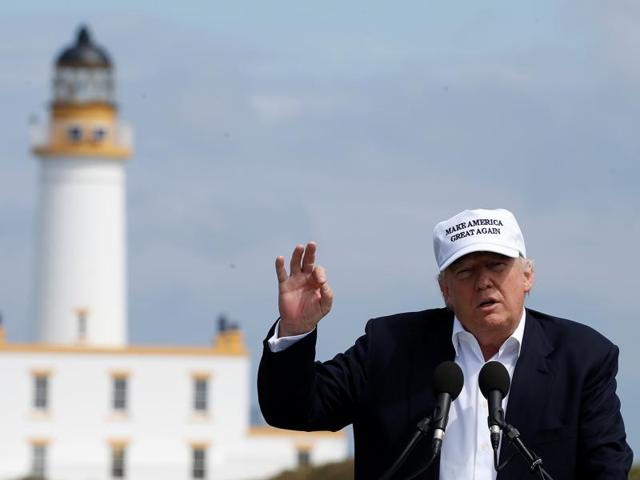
281	272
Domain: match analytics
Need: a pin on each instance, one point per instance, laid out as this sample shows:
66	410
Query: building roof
226	344
84	54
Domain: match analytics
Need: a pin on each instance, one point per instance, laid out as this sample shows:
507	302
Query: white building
80	403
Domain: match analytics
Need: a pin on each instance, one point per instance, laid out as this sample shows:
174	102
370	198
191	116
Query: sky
359	125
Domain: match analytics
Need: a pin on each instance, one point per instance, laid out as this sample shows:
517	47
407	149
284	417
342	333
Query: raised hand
304	296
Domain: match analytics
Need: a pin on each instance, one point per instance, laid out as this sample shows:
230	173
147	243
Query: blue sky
263	124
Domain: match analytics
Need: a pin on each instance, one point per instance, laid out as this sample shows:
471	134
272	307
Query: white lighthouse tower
81	262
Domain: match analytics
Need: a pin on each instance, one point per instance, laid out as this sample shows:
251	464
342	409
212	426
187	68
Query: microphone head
494	376
448	378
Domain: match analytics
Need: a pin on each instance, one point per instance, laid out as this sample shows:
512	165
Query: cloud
274	108
617	38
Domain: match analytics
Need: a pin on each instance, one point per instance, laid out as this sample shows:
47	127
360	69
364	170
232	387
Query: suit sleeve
603	449
298	393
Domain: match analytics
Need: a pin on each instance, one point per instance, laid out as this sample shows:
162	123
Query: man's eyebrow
458	264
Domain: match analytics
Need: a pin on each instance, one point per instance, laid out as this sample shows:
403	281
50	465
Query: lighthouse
81	292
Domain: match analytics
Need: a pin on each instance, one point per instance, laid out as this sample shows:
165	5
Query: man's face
486	291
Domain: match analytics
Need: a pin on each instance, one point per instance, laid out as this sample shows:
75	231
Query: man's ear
444	289
529	278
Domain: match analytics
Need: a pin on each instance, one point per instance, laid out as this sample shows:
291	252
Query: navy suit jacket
562	400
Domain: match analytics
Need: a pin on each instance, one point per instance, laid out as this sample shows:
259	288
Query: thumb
326	298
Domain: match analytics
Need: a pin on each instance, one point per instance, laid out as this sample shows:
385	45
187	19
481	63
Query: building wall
80	425
159	427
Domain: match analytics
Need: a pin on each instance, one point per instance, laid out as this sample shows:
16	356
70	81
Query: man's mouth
487	303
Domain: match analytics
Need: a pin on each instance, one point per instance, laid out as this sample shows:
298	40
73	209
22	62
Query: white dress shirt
466	448
278	344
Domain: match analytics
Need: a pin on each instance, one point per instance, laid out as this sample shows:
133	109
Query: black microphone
447	385
494	384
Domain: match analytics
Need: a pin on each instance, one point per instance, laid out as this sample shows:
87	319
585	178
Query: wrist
287	331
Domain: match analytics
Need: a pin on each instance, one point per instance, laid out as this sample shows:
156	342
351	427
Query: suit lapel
432	347
529	389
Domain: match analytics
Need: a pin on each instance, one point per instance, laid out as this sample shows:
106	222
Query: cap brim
480	247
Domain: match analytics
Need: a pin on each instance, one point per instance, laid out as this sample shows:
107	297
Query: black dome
84	54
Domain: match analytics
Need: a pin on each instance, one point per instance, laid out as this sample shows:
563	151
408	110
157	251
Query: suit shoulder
570	333
409	322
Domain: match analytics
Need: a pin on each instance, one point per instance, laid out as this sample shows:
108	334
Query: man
563	391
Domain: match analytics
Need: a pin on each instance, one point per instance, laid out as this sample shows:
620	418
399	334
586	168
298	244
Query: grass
344	471
330	471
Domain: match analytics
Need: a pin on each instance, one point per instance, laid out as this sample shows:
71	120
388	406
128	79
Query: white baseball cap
477	231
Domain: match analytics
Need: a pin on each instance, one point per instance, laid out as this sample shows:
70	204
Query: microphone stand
533	461
423	429
423	469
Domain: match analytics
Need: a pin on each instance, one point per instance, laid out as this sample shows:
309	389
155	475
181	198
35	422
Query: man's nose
484	280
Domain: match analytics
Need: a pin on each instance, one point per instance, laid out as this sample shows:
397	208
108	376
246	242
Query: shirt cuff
278	344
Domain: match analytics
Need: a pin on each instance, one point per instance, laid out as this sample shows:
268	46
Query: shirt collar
514	339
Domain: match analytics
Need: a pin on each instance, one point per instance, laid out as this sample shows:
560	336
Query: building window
200	394
199	462
75	133
38	460
304	457
82	327
81	316
41	391
98	134
118	461
120	393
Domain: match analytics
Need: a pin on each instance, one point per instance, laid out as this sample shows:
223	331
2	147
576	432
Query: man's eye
497	266
463	273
